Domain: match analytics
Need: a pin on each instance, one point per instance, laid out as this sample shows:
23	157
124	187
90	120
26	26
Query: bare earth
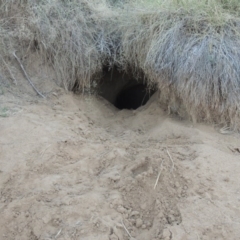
74	167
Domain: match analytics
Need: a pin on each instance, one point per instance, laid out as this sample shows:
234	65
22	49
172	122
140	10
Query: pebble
133	221
139	223
121	209
143	206
149	224
134	213
166	234
170	219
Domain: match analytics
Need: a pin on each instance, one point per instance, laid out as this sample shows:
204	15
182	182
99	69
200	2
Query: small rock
121	209
143	206
144	226
139	223
134	213
172	212
170	219
166	234
117	202
133	221
149	224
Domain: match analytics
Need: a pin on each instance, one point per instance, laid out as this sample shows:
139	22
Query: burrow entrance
123	90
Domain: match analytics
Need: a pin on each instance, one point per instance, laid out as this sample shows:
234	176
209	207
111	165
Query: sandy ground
74	167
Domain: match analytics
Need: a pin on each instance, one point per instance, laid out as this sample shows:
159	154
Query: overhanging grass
191	51
190	48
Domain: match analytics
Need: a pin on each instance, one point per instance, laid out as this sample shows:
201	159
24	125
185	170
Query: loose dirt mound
74	167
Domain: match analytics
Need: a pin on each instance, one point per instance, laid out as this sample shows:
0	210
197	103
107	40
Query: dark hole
123	90
133	97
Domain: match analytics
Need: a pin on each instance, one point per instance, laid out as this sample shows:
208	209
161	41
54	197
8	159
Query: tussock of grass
189	48
192	55
65	33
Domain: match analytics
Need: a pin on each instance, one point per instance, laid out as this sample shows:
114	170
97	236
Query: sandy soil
74	167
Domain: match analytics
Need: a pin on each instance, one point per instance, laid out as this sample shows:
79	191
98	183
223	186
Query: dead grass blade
26	75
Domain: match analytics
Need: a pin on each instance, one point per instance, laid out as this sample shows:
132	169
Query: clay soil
75	167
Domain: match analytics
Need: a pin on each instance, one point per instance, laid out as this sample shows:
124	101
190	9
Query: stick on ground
170	159
161	168
126	229
26	75
58	233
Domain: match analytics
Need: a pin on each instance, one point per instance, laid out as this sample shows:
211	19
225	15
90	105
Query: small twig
171	160
230	149
43	152
126	229
58	233
161	168
225	130
26	75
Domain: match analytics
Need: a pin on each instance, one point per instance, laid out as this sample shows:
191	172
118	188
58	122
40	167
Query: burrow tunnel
123	90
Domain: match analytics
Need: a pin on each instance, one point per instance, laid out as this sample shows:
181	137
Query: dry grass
190	48
193	56
67	34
